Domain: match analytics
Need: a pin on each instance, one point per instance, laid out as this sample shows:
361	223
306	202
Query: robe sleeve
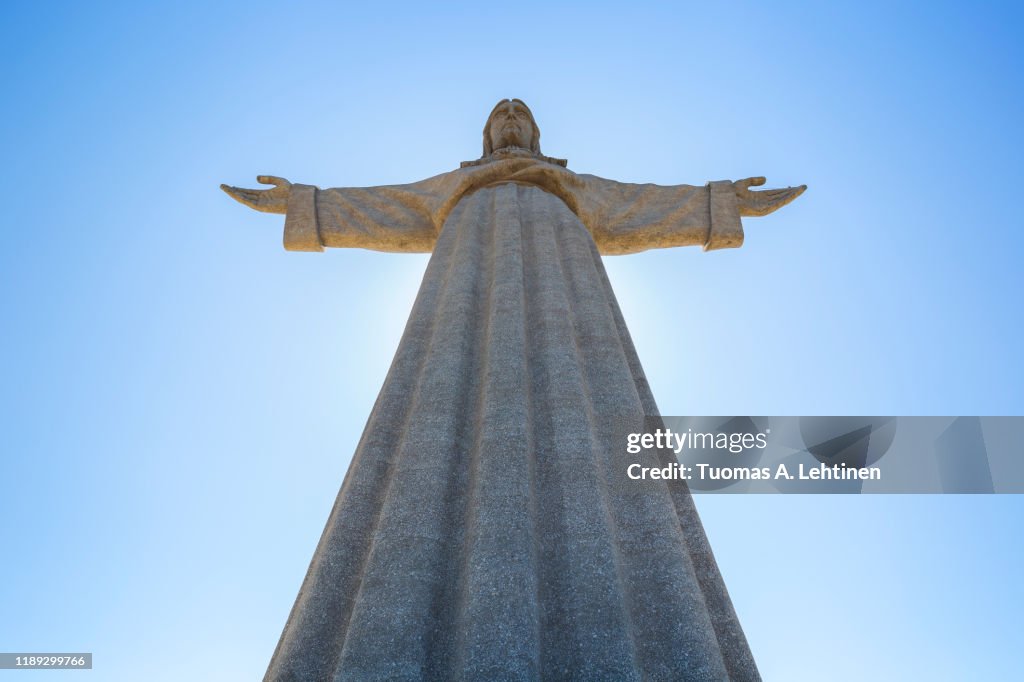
394	218
627	218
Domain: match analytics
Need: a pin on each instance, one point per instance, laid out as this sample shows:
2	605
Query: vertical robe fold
478	534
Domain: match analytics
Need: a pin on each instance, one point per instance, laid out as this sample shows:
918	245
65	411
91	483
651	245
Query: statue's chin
512	141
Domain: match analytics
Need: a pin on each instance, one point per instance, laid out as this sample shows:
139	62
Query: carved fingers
249	197
272	180
761	203
746	183
274	200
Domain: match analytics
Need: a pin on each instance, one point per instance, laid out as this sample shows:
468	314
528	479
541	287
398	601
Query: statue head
511	124
511	132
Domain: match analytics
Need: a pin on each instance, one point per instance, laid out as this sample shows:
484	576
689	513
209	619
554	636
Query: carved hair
534	139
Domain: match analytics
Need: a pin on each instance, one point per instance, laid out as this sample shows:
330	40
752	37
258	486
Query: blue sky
181	396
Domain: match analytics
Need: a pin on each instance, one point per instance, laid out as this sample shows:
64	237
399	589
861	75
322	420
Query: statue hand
764	202
273	200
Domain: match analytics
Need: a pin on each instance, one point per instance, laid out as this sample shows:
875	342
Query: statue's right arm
395	218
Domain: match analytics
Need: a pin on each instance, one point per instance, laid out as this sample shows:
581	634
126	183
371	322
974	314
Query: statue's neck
513	152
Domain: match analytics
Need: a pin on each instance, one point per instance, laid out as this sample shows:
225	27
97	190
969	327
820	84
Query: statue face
511	126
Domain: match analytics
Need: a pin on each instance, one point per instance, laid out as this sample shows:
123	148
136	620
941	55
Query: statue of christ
478	534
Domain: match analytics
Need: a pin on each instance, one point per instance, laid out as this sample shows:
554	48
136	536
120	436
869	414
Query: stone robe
478	534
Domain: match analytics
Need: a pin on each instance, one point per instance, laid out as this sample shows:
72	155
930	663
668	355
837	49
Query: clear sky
180	396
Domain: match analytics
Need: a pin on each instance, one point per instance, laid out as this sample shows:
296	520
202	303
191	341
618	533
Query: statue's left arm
627	218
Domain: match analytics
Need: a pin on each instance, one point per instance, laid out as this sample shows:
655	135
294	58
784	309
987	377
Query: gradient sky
180	396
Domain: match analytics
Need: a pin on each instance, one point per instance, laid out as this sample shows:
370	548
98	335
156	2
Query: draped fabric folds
477	535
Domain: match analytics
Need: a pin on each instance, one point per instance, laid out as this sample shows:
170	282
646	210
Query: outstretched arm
397	218
627	218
